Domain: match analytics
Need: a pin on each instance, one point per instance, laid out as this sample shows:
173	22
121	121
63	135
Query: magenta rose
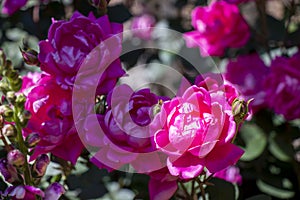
282	86
9	7
198	129
126	137
70	42
218	26
247	73
142	26
51	110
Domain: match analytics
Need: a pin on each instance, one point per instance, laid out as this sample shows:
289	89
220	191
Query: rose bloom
11	6
142	26
125	136
218	26
51	111
198	129
70	42
230	174
282	86
247	73
29	81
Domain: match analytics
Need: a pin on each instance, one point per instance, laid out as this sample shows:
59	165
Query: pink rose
11	6
198	129
282	86
230	174
247	73
70	43
52	119
142	26
218	26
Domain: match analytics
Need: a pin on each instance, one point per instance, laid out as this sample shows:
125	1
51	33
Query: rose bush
218	26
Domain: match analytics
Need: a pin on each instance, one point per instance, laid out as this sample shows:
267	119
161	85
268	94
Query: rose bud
30	56
16	158
9	130
54	191
8	171
32	140
240	110
40	165
6	111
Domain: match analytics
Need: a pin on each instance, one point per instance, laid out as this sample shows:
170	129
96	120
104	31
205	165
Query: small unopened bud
9	130
32	140
16	84
30	56
240	110
20	100
54	191
40	165
6	111
11	97
24	117
4	87
8	171
16	157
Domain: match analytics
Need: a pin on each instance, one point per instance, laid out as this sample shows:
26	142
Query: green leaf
255	140
221	190
279	148
260	197
274	191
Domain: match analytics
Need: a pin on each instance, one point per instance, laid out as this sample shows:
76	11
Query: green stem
22	148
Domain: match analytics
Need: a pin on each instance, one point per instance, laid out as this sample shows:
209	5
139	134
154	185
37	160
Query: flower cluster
50	99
